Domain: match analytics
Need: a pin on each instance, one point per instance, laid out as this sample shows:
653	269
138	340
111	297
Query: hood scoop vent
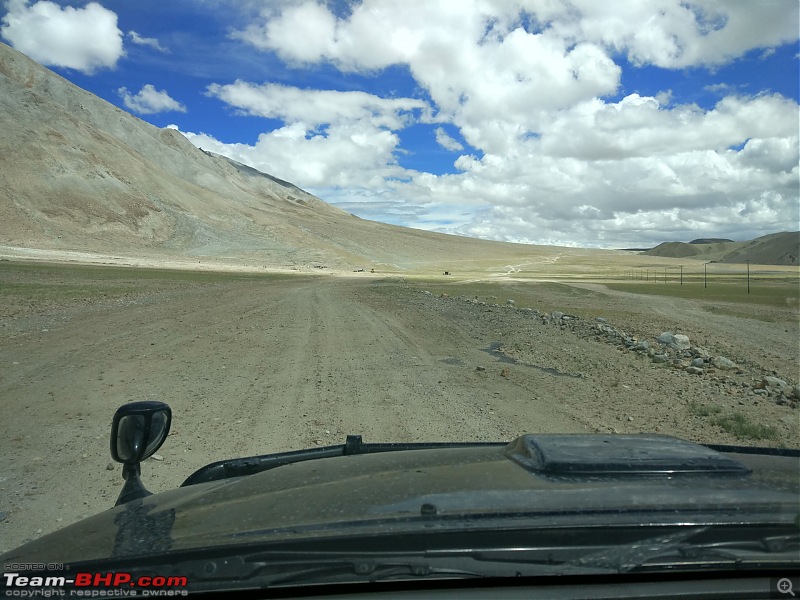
639	455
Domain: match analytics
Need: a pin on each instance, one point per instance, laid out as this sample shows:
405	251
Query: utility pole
705	275
748	276
681	274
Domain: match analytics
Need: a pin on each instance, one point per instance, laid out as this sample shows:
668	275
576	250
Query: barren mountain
79	174
774	249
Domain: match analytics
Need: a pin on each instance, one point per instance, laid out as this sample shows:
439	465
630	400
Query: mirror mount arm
134	488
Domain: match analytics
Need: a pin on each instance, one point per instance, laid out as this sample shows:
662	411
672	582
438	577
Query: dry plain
261	362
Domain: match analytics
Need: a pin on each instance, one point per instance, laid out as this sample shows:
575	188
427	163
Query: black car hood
530	482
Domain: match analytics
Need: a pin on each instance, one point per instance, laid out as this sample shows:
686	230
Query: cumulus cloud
145	41
682	34
447	142
315	107
149	101
329	137
85	39
529	86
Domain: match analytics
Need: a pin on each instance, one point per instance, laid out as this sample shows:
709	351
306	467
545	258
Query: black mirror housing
137	431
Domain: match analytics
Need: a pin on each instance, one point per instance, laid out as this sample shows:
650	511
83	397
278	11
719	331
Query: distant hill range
773	249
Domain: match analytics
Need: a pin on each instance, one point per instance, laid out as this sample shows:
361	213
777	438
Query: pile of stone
669	349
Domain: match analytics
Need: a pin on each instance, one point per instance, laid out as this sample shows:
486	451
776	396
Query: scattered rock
510	302
505	372
770	381
694	370
480	368
660	358
723	363
666	338
698	362
157	457
681	342
3	516
110	466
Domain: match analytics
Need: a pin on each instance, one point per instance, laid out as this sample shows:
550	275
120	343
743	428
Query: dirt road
252	366
247	368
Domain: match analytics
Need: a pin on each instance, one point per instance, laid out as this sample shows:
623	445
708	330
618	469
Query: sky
614	124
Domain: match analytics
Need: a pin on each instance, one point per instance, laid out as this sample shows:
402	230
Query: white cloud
306	32
328	138
85	39
150	101
317	107
446	142
527	85
640	126
681	34
145	41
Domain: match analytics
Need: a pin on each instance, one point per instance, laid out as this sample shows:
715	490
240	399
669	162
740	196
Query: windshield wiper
282	569
671	550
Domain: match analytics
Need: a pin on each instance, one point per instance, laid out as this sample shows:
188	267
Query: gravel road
253	366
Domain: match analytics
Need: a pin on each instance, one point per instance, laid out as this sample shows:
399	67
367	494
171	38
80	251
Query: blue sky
573	122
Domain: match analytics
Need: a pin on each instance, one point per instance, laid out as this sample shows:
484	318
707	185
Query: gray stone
698	362
510	302
723	363
660	358
700	352
556	315
770	381
666	338
694	370
681	342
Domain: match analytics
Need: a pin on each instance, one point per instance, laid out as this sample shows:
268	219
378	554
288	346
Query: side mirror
137	431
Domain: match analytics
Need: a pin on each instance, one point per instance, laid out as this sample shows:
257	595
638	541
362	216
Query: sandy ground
254	366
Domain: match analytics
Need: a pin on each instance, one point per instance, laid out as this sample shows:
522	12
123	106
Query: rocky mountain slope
80	174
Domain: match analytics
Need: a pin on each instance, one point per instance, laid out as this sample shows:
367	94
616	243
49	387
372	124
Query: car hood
536	481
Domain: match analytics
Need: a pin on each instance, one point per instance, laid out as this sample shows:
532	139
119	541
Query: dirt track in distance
256	365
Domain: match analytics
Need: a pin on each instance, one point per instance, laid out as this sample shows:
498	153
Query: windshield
294	221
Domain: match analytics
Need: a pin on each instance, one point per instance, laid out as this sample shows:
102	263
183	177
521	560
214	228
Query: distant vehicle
544	515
